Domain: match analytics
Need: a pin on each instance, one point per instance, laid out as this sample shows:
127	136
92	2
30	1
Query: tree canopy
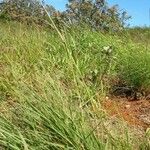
25	10
96	13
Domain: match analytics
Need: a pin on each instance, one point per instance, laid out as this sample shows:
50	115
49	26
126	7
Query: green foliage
97	14
134	66
139	34
30	11
48	98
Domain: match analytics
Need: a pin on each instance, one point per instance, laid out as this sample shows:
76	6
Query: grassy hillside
53	85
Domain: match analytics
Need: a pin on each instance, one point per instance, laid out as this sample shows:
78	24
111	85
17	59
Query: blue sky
138	9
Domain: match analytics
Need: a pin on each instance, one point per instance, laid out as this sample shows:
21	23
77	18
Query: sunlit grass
52	89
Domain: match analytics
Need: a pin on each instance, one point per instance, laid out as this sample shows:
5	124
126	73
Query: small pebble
127	106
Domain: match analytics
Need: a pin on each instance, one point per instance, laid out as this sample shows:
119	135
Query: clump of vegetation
51	88
26	11
96	14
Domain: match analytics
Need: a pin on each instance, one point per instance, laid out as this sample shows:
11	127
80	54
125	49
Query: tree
25	11
95	13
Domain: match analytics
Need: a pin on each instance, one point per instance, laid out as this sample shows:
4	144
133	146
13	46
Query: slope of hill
55	84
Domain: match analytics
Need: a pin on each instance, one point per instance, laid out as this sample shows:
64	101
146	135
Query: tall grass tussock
53	84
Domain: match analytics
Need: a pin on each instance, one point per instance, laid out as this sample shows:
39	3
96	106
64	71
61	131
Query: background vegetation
96	14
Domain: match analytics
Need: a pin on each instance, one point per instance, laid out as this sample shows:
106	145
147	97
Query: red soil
131	111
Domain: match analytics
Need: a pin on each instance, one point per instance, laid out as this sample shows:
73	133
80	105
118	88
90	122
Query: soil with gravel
135	113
